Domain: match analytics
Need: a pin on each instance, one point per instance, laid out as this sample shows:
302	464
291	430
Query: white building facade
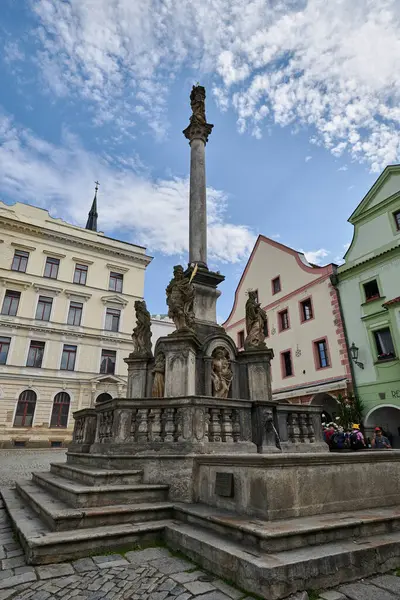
66	318
305	329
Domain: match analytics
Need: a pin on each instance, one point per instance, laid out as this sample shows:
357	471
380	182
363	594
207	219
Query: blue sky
304	106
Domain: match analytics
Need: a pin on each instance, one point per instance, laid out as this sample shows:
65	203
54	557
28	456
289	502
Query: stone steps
93	476
58	516
289	534
277	575
102	461
79	496
43	546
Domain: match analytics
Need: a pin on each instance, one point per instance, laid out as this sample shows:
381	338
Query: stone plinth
180	350
137	376
257	363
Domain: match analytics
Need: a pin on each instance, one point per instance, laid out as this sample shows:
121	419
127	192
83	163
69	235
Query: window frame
54	262
371	298
44	300
239	336
35	345
117	277
388	355
22	255
278	279
15	294
301	310
396	217
75	309
283	364
57	408
105	354
109	311
280	313
317	355
4	343
69	352
81	269
26	403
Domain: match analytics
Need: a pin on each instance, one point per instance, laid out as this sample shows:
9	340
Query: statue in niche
141	335
256	323
271	436
157	390
198	105
221	373
180	299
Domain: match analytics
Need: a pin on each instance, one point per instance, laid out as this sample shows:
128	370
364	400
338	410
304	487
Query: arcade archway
329	406
385	416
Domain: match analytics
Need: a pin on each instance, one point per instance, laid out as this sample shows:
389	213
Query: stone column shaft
197	205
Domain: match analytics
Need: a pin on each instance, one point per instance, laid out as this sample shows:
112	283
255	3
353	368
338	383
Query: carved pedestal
137	376
180	350
258	373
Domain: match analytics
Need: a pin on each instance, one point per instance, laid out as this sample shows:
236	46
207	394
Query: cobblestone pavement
19	464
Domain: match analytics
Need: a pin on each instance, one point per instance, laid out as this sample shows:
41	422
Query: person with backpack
356	438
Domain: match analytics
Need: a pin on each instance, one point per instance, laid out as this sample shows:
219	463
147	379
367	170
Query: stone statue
141	335
256	323
180	299
221	373
197	104
157	390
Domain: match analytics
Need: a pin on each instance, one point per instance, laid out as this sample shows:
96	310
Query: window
25	409
10	303
4	348
75	313
112	319
51	268
20	261
283	320
371	290
104	397
60	412
35	354
108	359
80	274
68	358
397	219
116	280
276	285
240	339
384	344
43	309
306	310
321	354
287	368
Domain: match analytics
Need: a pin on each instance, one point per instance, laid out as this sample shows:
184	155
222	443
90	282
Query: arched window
103	397
59	415
25	409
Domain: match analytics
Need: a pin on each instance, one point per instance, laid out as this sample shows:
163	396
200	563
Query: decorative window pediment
79	295
15	283
117	268
47	289
121	302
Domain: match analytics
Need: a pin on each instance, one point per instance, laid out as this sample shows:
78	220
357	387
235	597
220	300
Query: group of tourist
339	438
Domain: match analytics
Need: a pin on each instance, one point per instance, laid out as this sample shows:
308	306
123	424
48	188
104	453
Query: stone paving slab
365	591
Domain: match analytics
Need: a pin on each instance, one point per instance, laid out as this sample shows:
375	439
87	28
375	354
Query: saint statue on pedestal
141	335
221	373
157	390
180	299
256	323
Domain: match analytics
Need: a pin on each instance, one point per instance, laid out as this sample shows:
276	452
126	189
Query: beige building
304	324
67	312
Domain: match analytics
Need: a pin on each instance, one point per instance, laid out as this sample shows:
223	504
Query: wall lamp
354	355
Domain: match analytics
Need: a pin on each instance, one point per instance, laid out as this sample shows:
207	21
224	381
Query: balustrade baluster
155	425
215	425
310	428
206	425
133	425
236	426
169	425
296	428
142	425
303	427
226	425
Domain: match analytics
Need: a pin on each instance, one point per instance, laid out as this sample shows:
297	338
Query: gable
386	186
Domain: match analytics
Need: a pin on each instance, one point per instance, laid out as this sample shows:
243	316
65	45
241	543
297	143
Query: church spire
92	217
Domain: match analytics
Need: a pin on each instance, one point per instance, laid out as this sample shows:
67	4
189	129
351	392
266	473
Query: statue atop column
180	300
256	323
141	335
198	128
158	387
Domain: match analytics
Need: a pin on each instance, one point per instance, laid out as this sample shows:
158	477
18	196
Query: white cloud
149	212
289	62
343	168
308	158
316	256
276	236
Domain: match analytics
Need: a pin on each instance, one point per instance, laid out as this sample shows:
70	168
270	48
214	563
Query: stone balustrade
197	424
